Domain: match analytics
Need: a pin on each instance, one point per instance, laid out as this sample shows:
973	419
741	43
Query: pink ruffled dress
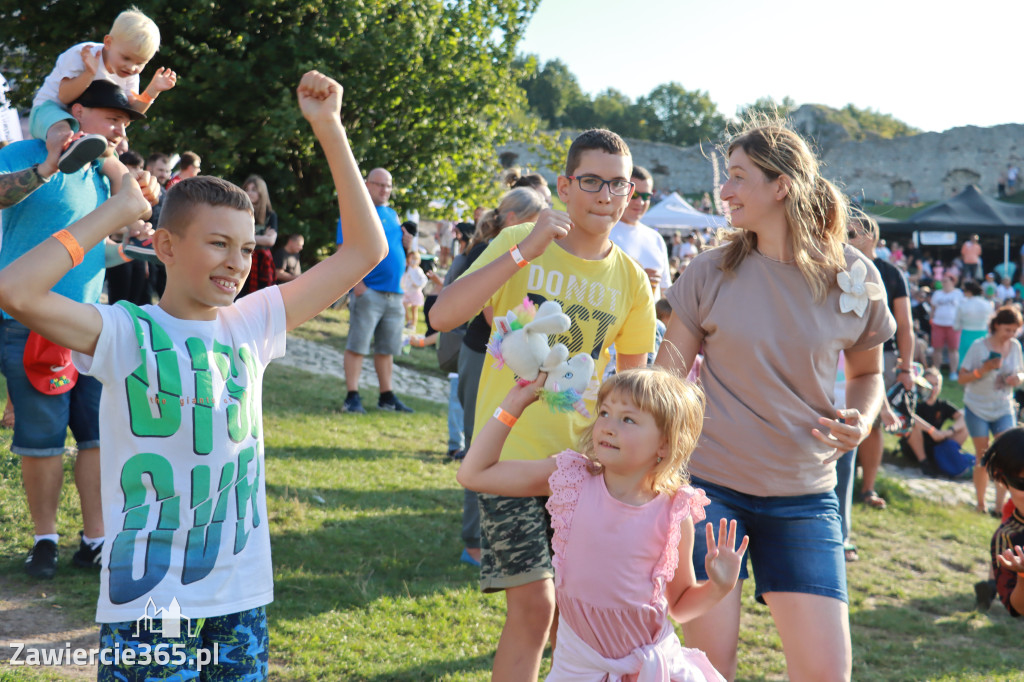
612	564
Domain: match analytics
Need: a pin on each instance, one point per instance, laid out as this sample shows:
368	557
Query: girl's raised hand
722	561
521	397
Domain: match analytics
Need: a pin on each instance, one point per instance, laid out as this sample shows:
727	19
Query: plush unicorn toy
520	341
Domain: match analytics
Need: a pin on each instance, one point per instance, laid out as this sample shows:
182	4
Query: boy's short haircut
595	138
295	235
641	173
136	29
131	158
1005	457
206	190
156	157
189	159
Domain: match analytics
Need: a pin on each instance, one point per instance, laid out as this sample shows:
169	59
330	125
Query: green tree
766	105
430	86
683	117
873	123
552	91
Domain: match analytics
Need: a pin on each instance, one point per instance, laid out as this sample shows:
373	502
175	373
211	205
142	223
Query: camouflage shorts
515	534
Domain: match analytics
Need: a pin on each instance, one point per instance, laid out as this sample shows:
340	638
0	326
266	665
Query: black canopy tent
970	211
997	223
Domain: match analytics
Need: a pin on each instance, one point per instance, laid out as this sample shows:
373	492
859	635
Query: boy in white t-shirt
184	498
120	58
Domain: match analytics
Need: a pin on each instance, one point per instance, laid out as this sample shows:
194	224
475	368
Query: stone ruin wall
936	165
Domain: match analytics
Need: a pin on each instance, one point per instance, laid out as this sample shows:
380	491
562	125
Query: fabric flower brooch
856	291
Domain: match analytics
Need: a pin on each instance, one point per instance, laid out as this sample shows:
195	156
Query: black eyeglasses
643	196
592	184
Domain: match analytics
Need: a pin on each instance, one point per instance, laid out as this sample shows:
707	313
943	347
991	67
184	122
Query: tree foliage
670	113
683	117
766	105
429	88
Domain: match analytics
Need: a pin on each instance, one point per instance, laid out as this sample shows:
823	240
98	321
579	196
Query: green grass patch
365	514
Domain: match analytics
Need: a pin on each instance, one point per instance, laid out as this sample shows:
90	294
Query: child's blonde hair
677	406
137	30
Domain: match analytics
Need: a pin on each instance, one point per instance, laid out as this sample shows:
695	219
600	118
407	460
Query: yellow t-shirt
609	302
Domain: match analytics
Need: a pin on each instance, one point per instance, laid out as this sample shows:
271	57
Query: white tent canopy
674	213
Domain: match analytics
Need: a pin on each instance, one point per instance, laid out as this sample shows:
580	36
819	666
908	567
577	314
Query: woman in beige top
772	309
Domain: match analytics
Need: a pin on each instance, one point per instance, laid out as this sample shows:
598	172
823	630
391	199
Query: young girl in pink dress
622	514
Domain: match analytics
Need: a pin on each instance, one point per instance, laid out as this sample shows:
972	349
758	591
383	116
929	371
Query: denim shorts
41	421
378	316
239	641
515	547
796	543
979	427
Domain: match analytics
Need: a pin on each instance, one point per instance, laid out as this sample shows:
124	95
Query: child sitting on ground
181	414
1004	461
120	58
622	513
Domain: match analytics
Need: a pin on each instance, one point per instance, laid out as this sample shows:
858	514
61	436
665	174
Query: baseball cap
103	94
48	367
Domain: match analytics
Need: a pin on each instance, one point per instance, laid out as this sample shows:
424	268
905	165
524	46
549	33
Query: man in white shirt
642	243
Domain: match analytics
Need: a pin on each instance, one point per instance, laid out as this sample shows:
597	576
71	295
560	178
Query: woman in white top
992	368
944	333
972	316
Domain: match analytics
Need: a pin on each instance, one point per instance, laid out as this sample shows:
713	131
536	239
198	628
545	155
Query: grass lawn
365	516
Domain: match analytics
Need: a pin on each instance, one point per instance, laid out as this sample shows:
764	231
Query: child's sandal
873	499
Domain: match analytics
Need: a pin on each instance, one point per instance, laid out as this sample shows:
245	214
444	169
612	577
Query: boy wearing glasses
643	243
568	257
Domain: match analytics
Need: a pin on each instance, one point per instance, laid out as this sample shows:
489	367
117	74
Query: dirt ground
29	617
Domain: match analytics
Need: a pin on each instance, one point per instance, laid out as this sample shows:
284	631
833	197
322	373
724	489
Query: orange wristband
71	244
145	98
505	418
977	374
518	257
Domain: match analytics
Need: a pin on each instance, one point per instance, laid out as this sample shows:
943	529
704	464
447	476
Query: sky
934	65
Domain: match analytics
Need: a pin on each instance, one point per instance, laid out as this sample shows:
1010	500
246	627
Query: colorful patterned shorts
233	647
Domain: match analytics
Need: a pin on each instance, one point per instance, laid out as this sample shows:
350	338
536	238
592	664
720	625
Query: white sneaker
954	376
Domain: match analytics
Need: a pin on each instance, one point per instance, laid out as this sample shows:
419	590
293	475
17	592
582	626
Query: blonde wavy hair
816	211
677	406
526	203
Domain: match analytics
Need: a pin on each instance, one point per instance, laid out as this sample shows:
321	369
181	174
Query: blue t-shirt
387	276
51	208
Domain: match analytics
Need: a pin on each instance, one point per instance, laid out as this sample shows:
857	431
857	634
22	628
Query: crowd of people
710	447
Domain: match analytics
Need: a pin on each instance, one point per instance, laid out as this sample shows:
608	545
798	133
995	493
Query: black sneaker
984	593
81	150
457	454
928	468
141	250
393	405
41	561
86	556
354	405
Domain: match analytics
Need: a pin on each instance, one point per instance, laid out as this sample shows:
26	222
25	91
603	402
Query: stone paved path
322	359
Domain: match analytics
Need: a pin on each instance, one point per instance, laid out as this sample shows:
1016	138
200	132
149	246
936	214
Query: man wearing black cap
37	201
